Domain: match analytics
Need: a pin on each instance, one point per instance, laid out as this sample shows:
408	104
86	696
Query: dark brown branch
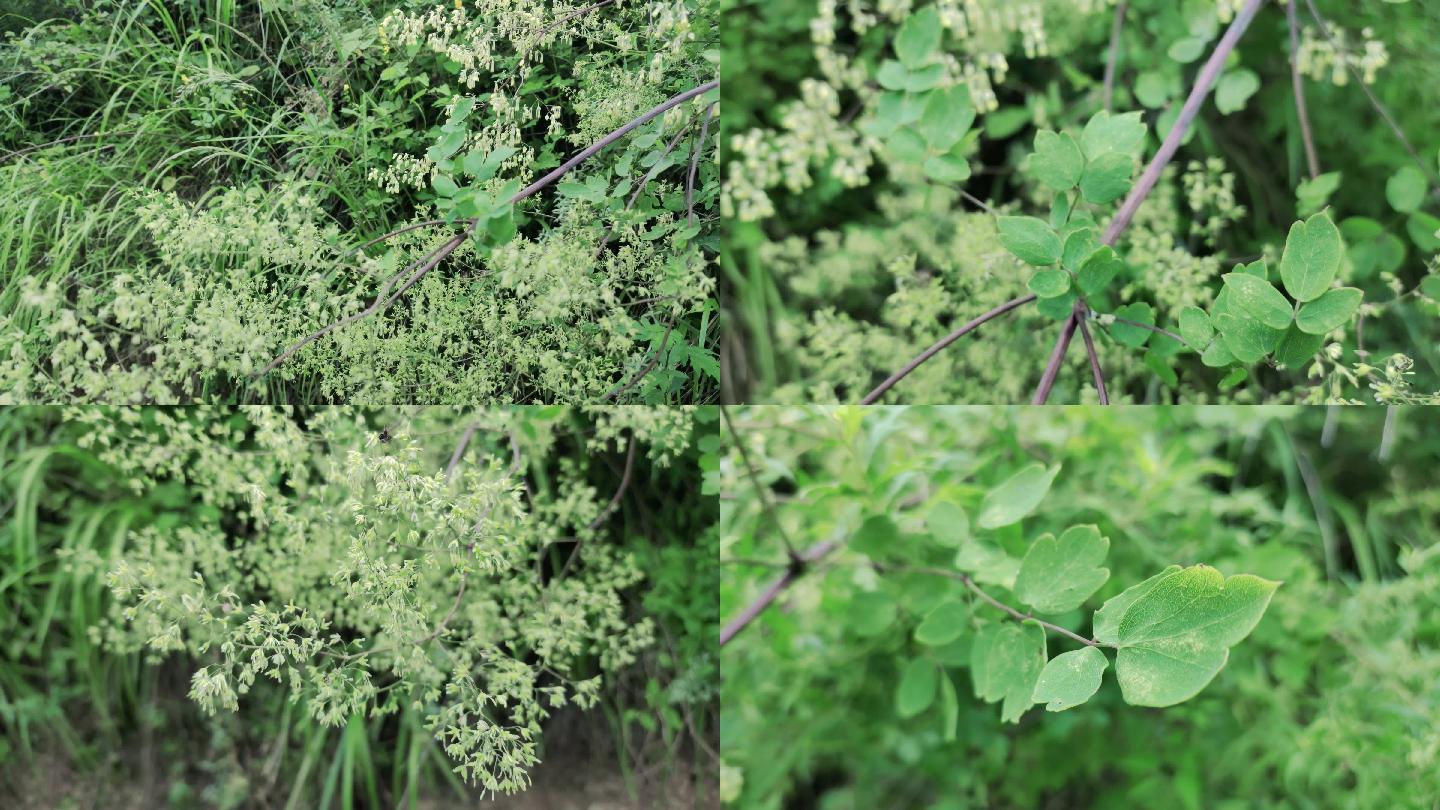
451	246
1297	82
774	589
408	228
940	344
760	489
1203	83
1057	357
1094	362
1113	57
460	450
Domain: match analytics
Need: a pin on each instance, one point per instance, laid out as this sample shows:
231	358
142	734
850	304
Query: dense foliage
897	169
189	189
356	603
938	564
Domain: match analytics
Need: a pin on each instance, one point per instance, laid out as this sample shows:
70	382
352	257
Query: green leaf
484	166
870	613
1314	193
987	563
1106	623
463	107
1099	270
1234	89
917	688
1050	283
444	185
1057	161
1058	308
1080	245
1296	348
1156	362
1033	241
1186	50
1406	189
1260	299
1311	258
947	169
919	37
1152	89
1195	328
1236	376
908	146
1175	637
876	537
1006	666
924	78
448	145
1430	287
1424	231
1060	574
948	524
1247	338
947	117
949	709
892	75
1129	334
1070	679
1017	496
1217	355
895	110
1329	311
1106	133
944	624
1107	177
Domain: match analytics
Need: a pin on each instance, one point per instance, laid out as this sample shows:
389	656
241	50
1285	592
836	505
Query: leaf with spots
1071	679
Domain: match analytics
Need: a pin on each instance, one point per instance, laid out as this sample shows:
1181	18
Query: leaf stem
1307	137
1094	363
940	344
762	491
1057	356
1114	56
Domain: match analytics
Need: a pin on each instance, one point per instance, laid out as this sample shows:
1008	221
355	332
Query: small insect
385	436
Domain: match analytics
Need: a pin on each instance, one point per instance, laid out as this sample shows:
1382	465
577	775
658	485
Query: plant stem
1114	56
774	589
940	344
695	166
1203	83
1094	363
1298	83
451	246
762	491
655	356
1057	356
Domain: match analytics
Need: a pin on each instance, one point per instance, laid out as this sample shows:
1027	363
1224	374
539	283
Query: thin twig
760	489
695	166
568	17
451	246
1094	363
645	181
1203	83
1114	56
408	228
605	513
1157	330
940	344
1298	83
773	590
614	393
1375	102
978	203
1057	357
460	449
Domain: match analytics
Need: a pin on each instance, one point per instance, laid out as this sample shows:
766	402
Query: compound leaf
1311	258
1033	241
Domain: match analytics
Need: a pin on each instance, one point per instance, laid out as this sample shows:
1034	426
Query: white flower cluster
1210	193
1336	57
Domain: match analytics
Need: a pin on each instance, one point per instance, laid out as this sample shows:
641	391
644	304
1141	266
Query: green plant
878	559
357	602
856	160
199	198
